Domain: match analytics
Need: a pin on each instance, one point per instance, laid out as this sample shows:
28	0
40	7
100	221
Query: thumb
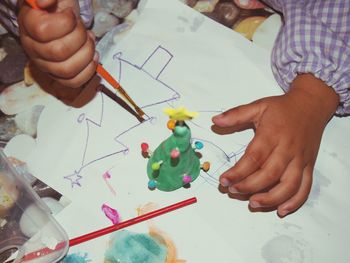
238	116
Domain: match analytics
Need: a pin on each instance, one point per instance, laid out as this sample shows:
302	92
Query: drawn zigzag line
76	176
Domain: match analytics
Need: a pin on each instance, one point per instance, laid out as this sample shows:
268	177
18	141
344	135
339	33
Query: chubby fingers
75	70
256	152
43	26
82	77
287	187
237	116
301	195
58	43
253	159
267	176
58	49
290	193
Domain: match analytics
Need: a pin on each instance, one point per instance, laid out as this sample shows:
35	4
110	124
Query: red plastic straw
133	221
75	241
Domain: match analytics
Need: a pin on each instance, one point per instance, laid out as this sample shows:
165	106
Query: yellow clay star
180	114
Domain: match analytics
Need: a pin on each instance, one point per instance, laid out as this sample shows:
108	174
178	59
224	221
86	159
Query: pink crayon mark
106	176
111	213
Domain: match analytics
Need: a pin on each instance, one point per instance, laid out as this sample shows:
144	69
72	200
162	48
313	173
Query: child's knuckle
68	21
74	83
40	31
255	156
60	52
293	184
272	176
64	71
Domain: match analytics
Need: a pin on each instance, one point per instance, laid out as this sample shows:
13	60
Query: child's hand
276	169
57	42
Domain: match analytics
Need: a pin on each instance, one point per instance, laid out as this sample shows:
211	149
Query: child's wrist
316	95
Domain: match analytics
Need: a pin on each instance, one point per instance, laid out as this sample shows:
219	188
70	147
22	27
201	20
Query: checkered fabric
9	9
314	38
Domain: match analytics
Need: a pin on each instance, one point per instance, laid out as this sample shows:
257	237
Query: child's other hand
276	169
57	42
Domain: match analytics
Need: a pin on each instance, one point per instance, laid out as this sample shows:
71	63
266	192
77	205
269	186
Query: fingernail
218	116
254	204
283	213
96	56
224	182
232	190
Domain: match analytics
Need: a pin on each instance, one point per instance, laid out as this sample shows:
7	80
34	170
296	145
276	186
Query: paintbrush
115	84
106	76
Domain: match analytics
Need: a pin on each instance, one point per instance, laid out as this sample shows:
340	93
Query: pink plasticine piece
111	214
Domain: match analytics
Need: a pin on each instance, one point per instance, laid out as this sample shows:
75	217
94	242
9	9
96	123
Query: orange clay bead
206	166
171	124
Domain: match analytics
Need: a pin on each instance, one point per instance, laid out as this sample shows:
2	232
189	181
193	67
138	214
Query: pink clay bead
186	179
174	153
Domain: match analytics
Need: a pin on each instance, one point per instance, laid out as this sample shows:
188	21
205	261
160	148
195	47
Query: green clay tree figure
174	163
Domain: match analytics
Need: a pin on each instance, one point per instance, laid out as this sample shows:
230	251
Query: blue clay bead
199	145
152	184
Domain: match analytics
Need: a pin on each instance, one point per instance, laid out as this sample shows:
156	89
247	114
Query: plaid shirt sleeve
9	9
86	12
314	38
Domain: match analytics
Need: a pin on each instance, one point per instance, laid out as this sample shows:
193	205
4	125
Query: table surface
227	13
301	237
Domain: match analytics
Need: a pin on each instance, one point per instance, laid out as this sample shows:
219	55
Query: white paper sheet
175	56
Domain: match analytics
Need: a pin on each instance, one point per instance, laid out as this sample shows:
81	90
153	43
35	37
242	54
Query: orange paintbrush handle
109	78
105	74
33	4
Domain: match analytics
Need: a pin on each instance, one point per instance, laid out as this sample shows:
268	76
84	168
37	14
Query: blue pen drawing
158	92
91	124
